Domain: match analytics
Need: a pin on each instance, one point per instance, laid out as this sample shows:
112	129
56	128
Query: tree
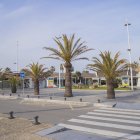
2	77
110	67
5	73
1	73
13	81
52	69
7	70
78	76
37	72
136	66
68	51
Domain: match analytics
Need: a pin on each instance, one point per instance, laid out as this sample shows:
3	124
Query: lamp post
129	51
15	63
17	56
59	68
59	76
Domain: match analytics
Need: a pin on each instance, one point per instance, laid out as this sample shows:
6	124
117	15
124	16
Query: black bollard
65	98
80	99
27	96
38	97
36	122
10	94
50	98
11	115
99	101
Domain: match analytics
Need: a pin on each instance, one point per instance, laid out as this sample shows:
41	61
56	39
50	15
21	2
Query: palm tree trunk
13	89
36	87
110	89
68	82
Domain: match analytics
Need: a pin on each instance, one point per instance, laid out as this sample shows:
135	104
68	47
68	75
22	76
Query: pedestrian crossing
110	122
113	115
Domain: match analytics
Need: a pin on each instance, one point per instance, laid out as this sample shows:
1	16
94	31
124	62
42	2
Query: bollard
38	97
80	99
65	98
27	96
36	122
50	98
18	95
99	101
10	94
11	115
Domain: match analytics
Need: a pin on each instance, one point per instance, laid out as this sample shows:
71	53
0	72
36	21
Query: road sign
22	75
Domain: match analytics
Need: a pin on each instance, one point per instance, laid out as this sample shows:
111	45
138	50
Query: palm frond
57	58
68	49
109	66
81	58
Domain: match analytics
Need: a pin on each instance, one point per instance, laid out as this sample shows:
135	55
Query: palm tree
13	81
37	72
135	66
110	67
1	77
1	72
7	70
68	51
52	69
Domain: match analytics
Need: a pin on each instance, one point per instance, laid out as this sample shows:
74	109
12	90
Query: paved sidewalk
86	95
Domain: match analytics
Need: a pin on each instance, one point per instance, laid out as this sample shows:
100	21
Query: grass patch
100	88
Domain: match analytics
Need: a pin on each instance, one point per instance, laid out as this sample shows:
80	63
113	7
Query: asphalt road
51	113
54	113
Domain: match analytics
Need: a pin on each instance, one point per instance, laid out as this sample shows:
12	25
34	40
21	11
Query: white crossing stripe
123	110
101	132
110	119
118	112
126	127
113	115
109	122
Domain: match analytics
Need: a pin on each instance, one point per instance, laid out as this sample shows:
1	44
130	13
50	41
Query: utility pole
17	56
59	76
129	52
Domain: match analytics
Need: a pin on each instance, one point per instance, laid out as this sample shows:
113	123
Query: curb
7	97
108	105
45	101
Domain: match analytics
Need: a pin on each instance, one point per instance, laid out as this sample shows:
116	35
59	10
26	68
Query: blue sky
34	23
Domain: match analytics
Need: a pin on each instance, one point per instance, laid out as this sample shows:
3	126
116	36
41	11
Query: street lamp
61	69
17	56
15	66
59	76
129	51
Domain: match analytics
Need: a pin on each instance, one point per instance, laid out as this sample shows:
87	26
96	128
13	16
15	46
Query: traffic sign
22	75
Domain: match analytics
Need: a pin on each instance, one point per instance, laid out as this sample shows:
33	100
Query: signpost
22	75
